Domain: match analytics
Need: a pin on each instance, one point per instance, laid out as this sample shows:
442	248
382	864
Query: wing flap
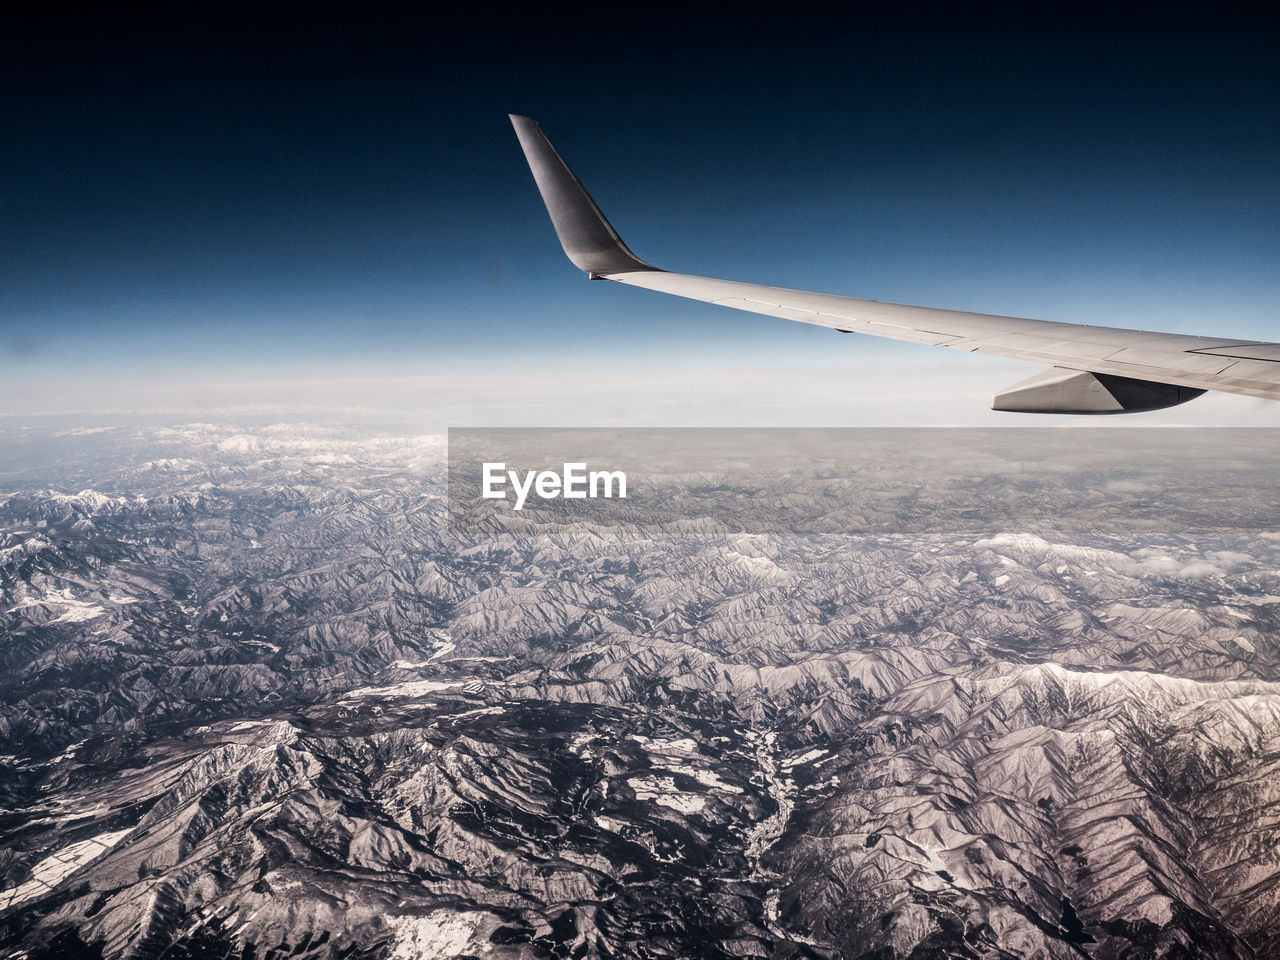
1152	358
1246	351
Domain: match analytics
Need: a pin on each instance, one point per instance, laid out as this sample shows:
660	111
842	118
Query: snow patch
78	611
436	935
663	790
52	870
681	802
709	779
809	757
683	745
414	688
443	649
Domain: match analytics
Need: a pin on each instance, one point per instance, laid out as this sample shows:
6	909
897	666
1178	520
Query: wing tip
588	239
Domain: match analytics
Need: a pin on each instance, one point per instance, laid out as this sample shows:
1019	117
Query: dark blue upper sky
210	199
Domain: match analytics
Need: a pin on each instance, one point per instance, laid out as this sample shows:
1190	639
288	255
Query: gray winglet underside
587	237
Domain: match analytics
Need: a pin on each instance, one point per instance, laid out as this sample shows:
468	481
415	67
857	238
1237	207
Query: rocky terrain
259	699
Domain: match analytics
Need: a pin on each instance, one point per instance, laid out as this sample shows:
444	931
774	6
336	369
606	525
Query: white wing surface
1091	369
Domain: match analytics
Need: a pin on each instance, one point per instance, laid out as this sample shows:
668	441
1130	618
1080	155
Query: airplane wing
1091	369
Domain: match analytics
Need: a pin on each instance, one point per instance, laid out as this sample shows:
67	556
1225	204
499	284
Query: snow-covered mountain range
258	699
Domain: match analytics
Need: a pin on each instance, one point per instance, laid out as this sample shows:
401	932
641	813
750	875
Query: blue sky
217	214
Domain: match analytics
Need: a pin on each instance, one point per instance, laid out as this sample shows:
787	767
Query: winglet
587	237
